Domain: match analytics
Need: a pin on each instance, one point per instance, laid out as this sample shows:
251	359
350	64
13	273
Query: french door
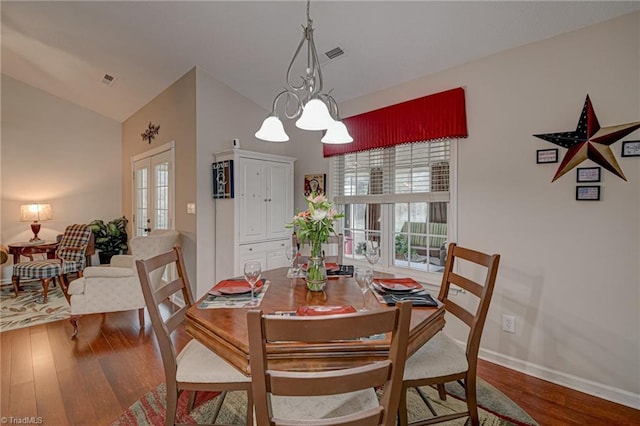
153	190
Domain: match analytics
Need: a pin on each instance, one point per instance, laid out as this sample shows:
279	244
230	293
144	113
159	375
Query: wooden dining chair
335	243
340	396
441	360
196	367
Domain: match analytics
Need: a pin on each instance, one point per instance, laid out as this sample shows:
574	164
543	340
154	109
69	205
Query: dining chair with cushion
334	248
338	395
70	258
195	367
441	360
117	288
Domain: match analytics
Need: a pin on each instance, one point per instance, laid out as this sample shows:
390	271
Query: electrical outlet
508	323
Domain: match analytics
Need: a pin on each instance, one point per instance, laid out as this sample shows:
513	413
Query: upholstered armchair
116	287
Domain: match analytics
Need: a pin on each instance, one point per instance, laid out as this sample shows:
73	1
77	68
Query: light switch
191	208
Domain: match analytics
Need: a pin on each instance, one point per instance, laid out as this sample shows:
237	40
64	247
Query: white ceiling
65	48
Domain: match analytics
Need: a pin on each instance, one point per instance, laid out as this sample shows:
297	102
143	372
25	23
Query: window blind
401	173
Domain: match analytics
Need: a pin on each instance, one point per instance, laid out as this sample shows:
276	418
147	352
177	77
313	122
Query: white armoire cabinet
251	225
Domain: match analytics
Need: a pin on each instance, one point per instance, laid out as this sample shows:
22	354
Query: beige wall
569	270
222	115
56	152
174	111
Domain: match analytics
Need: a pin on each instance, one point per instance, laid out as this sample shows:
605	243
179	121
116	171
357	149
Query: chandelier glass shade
313	109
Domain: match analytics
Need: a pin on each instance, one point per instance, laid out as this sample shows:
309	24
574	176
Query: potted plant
110	238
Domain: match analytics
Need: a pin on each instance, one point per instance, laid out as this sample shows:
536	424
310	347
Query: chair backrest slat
329	329
466	283
334	327
327	383
168	289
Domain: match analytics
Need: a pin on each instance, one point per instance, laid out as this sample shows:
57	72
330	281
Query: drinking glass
292	256
363	276
372	254
252	272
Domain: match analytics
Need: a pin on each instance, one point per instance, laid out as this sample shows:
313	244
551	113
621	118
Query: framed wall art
588	174
314	183
222	172
547	156
631	149
588	193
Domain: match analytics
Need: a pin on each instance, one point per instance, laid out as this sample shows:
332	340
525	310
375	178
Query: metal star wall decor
150	133
589	141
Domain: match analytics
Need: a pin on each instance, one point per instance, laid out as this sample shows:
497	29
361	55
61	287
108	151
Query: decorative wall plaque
223	179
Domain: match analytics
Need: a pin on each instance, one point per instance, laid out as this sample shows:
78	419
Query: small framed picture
588	174
588	193
314	184
547	156
631	149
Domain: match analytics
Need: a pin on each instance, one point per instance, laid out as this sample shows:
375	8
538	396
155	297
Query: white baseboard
599	390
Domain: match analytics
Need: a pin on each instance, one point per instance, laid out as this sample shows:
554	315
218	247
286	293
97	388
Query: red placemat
231	287
324	310
398	284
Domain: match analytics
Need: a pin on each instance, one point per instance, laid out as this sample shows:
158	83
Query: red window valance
437	116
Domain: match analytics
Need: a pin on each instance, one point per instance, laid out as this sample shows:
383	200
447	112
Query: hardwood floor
92	380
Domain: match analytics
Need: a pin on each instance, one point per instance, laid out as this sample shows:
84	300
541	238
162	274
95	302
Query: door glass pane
142	195
161	172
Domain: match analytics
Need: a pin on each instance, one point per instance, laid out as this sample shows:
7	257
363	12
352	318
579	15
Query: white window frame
386	227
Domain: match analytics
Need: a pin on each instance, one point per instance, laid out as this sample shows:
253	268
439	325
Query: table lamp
35	213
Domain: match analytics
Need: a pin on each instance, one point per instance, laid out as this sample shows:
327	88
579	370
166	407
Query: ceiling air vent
108	79
334	53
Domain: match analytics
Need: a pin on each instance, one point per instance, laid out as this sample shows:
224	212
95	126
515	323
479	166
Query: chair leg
45	289
74	322
425	399
192	400
249	407
402	407
472	402
172	404
218	406
141	317
442	392
15	280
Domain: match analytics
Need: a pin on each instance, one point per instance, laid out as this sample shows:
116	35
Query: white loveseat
116	287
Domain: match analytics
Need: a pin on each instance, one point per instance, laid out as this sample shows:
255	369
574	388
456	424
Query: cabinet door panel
280	211
253	200
277	259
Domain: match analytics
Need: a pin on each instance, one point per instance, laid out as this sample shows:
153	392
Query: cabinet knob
250	249
265	200
269	199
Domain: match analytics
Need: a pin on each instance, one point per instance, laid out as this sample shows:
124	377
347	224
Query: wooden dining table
224	330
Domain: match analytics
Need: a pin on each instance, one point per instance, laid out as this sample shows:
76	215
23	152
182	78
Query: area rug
25	311
495	408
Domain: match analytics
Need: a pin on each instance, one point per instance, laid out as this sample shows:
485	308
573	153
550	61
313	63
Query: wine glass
372	254
252	272
363	276
292	256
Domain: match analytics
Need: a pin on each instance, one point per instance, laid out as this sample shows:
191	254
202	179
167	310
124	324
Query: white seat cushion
323	407
198	364
440	356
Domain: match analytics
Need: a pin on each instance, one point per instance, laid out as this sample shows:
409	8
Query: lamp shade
35	212
315	116
337	133
272	130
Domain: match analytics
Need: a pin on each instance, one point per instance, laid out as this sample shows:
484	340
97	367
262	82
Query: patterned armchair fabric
69	258
117	287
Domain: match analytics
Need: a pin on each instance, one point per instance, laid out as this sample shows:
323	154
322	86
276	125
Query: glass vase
316	274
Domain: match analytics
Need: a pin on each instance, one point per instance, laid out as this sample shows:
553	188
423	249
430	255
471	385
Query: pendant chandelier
313	109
